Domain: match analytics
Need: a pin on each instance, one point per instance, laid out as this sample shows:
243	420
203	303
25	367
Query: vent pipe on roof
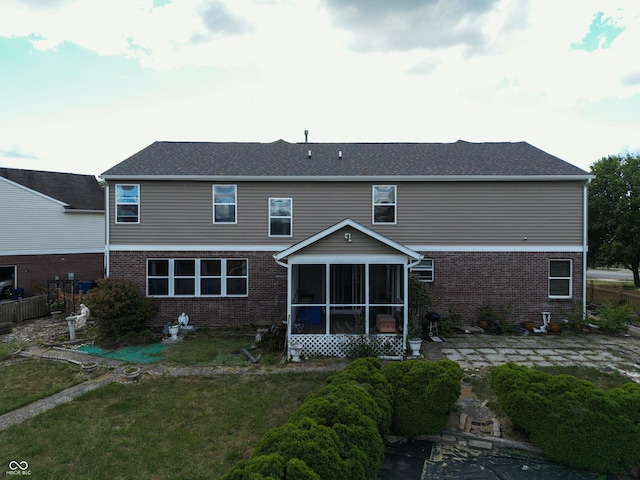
309	154
340	154
306	136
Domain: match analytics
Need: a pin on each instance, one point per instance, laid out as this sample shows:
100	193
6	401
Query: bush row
570	419
338	432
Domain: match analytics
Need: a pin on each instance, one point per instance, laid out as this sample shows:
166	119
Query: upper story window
216	277
280	217
127	203
225	204
424	270
560	278
384	204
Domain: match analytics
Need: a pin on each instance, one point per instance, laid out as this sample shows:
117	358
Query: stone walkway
592	350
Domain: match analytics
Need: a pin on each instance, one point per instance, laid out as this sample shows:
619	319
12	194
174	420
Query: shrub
573	421
118	308
424	394
615	320
367	373
351	412
317	445
270	467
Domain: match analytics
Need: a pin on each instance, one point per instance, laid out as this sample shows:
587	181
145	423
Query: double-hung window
280	217
215	277
560	279
384	204
424	270
225	204
226	277
127	203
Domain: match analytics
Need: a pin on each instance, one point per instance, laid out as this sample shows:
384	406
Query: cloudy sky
85	84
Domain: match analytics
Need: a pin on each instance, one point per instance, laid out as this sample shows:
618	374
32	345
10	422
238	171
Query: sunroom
345	285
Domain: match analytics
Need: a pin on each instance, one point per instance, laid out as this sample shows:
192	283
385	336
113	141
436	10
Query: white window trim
394	205
290	217
422	268
570	277
117	203
223	278
235	204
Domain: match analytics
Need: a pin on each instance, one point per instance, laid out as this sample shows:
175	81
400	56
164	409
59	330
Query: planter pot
554	327
415	344
295	351
528	326
483	324
89	367
131	373
173	331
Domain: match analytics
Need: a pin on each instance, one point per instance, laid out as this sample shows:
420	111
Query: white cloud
270	69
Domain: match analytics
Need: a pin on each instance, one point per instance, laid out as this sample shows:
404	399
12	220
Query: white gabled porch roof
347	222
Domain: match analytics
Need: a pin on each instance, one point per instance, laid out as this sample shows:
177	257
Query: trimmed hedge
424	393
337	433
571	420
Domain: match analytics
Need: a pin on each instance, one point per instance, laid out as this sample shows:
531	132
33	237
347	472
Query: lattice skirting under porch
340	345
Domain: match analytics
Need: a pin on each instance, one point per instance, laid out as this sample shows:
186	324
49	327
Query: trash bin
84	287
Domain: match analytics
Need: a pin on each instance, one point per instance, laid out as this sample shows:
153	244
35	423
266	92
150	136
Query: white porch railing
339	345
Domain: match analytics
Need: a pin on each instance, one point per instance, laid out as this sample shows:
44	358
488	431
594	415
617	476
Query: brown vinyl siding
337	244
428	213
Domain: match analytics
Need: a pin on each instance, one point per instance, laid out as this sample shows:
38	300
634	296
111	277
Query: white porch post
289	297
405	316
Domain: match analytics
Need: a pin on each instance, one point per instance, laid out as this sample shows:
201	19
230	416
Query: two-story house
52	224
324	235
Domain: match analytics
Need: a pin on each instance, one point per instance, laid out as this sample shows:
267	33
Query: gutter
354	178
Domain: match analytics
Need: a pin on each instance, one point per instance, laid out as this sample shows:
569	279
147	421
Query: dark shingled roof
79	192
284	159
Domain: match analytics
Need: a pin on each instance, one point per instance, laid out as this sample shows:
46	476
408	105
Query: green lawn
31	380
160	428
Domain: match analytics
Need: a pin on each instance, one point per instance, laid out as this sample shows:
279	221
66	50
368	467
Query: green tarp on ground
138	354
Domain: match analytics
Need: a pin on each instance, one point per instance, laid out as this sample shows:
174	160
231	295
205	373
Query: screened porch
363	298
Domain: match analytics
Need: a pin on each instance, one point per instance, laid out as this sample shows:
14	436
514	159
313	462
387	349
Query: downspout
288	267
107	243
585	247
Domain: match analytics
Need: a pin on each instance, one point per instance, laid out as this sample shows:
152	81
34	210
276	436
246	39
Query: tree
614	213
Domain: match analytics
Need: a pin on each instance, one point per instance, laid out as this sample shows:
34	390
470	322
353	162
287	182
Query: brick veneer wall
266	303
33	271
472	279
465	279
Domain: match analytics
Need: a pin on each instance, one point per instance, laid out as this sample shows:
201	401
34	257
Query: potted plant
56	308
419	299
485	316
496	319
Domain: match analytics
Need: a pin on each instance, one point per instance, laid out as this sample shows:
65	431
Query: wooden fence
23	309
600	294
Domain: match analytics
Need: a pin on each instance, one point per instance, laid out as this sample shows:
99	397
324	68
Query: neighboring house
53	224
324	235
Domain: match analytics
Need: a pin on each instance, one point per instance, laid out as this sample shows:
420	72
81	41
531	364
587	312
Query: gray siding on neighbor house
484	213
